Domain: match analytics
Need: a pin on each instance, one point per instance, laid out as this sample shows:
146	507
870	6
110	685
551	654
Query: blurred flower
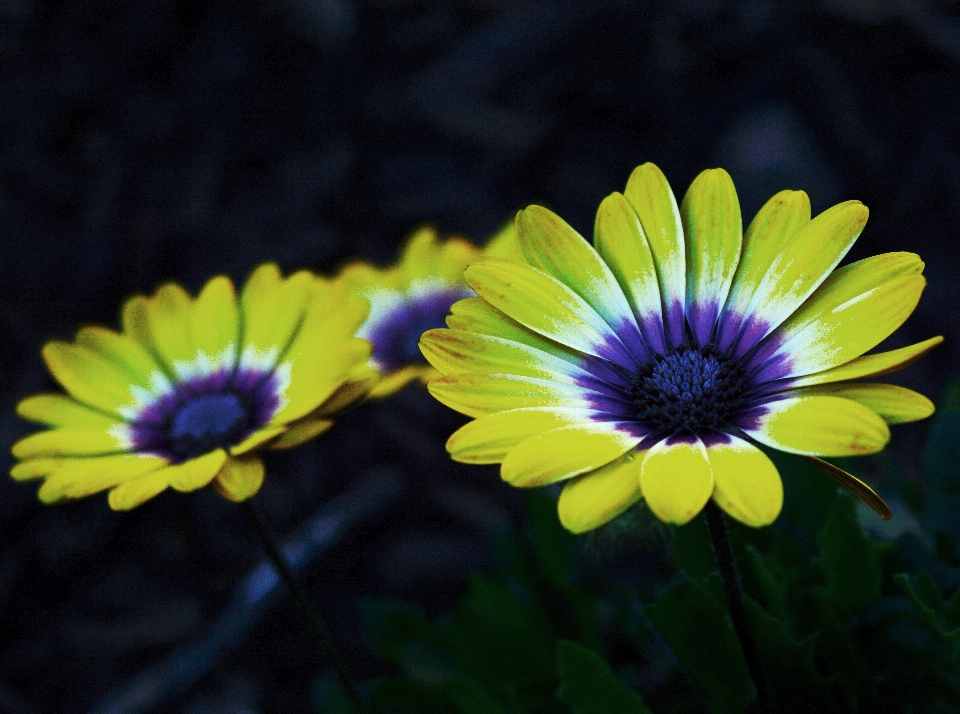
413	296
191	388
649	365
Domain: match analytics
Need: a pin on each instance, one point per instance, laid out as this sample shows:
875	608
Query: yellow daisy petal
478	394
67	441
257	439
488	439
398	379
160	322
746	483
196	473
123	350
137	492
598	497
88	377
300	432
216	318
820	426
273	308
84	476
60	410
871	365
897	405
240	478
565	452
676	479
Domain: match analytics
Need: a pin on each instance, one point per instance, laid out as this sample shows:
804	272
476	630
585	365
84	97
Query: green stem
309	614
733	589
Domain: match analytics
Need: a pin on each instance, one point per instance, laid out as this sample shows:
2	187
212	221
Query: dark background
149	140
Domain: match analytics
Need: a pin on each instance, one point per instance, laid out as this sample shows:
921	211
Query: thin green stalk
309	614
733	589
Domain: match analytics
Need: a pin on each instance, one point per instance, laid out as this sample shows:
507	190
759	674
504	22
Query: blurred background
148	140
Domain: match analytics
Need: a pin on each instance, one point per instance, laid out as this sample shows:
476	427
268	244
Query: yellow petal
60	410
478	394
239	479
714	232
871	365
272	310
393	382
67	441
196	473
676	479
215	317
565	452
88	377
256	439
35	468
132	494
820	426
300	432
121	349
746	483
854	485
488	439
358	386
656	207
897	405
589	501
80	477
164	320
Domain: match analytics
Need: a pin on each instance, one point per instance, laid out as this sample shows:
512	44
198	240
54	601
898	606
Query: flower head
413	296
192	387
651	364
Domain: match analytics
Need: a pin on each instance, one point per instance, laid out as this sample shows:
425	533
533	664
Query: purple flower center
692	389
396	336
204	413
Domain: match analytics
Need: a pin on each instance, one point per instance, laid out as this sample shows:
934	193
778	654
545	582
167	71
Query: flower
651	364
413	296
191	388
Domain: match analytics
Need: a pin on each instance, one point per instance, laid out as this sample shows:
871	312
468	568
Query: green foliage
589	686
845	619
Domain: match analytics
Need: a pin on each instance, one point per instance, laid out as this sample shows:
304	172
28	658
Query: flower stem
309	614
732	588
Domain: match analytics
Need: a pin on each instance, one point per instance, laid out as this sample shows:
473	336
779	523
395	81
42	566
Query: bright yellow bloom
413	296
192	387
650	364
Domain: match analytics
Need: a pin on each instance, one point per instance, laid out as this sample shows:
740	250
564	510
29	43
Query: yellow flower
650	364
192	387
413	296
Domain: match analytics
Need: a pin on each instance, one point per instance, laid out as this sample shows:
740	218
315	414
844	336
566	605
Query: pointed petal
767	237
135	493
67	441
300	432
620	240
240	478
656	207
589	501
60	410
545	305
871	365
77	478
488	439
819	426
897	405
196	473
852	312
479	394
565	452
550	244
746	483
854	485
808	259
393	382
714	231
676	479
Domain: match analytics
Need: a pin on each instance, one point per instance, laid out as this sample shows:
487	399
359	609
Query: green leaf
697	629
402	634
470	698
501	639
553	544
691	551
775	581
589	686
849	560
942	617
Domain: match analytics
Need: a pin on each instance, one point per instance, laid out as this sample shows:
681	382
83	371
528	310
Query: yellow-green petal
746	483
897	405
714	232
676	479
619	239
139	491
215	318
550	244
196	473
565	452
598	497
68	441
257	439
871	365
272	309
300	432
124	351
240	478
544	304
83	476
479	394
88	376
61	410
488	439
164	320
652	198
820	426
